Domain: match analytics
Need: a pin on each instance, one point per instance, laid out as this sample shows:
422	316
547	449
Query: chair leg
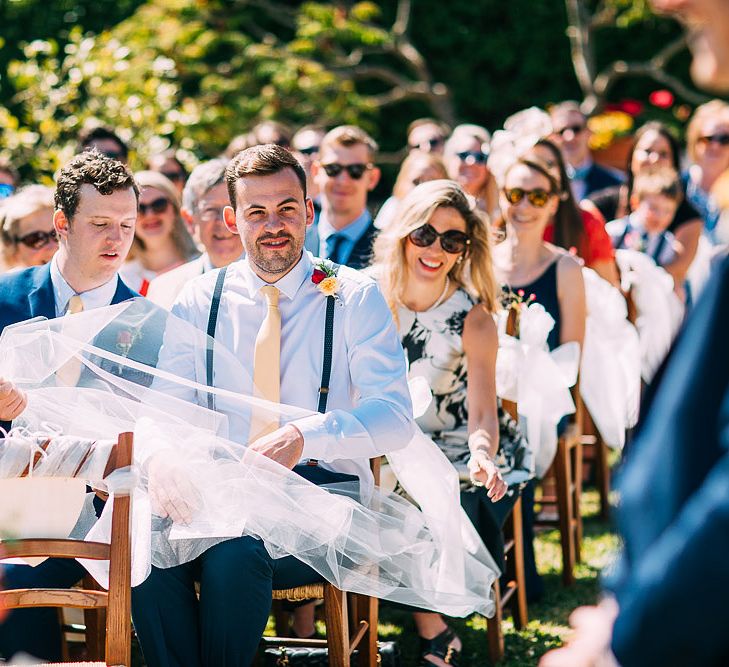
577	498
281	619
566	511
516	569
603	477
336	617
494	628
95	621
365	609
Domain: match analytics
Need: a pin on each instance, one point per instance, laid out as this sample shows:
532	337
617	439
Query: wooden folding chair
350	618
514	597
597	449
566	473
117	601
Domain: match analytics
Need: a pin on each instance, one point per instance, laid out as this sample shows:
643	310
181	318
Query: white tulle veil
427	555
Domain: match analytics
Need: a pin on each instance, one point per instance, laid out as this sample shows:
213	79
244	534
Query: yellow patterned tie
267	364
70	372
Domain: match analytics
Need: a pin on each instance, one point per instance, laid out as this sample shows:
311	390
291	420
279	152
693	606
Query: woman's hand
485	473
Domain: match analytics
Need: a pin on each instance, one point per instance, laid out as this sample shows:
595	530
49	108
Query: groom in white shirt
272	317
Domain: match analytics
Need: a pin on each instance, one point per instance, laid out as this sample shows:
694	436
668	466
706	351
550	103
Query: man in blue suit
96	210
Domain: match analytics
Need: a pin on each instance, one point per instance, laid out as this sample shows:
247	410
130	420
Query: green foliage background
194	73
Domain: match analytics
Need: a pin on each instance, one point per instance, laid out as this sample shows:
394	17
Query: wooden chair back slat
53	597
55	548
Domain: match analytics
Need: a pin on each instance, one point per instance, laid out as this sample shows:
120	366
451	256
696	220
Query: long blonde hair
474	273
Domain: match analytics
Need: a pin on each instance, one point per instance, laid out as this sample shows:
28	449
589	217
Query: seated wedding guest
345	174
273	319
416	168
707	146
94	218
161	239
427	135
571	134
465	156
106	141
170	166
656	196
434	268
655	147
27	235
305	144
526	264
9	178
203	200
575	226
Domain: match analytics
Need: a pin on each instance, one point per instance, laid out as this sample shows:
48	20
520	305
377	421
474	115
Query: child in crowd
655	198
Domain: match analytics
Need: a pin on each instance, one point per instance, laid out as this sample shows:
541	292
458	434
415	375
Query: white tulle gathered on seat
611	361
537	380
427	555
659	310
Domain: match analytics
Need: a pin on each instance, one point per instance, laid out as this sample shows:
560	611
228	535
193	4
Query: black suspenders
326	372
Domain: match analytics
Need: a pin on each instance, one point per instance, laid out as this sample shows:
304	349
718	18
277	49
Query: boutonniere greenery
324	277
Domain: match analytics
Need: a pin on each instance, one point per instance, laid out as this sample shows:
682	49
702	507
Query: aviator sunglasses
575	129
355	171
477	157
452	241
37	240
537	197
156	206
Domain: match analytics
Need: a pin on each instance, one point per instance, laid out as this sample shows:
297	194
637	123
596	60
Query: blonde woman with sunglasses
434	267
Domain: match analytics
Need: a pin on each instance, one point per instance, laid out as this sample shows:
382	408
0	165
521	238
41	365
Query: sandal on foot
440	647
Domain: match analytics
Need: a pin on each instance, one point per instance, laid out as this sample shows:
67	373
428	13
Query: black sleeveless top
544	288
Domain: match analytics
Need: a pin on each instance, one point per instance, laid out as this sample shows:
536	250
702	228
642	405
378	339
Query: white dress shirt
93	298
368	412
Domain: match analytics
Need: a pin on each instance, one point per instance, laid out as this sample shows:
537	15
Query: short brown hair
443	128
665	182
104	173
262	160
350	135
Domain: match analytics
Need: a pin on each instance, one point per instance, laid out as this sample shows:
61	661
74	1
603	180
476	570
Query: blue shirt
351	234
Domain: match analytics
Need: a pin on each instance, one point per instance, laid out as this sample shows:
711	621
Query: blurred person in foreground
305	144
674	509
203	200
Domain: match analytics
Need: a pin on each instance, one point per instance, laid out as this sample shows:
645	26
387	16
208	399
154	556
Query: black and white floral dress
434	347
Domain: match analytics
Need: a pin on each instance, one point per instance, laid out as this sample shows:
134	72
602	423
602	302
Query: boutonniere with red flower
325	279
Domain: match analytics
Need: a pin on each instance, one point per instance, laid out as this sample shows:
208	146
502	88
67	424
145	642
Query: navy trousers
224	627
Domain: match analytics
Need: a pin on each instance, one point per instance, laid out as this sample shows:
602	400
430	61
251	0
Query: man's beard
276	261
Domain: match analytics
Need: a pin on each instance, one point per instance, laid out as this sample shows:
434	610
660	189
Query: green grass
548	619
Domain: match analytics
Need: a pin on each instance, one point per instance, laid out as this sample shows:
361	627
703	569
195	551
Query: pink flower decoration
663	99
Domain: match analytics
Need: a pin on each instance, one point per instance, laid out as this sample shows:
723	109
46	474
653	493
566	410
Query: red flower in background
663	99
631	107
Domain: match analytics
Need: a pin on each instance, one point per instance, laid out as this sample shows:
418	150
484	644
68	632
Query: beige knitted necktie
70	372
267	364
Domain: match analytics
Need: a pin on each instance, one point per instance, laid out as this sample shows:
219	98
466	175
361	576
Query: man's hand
485	473
589	645
284	445
171	491
12	400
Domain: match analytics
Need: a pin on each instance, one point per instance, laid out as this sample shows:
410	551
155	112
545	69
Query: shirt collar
288	285
93	298
352	232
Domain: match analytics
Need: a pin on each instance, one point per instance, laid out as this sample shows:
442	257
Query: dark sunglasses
37	240
157	206
452	241
309	150
431	144
174	175
355	171
476	156
575	129
537	197
721	139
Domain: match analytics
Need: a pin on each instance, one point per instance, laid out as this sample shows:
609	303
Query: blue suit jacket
29	293
674	512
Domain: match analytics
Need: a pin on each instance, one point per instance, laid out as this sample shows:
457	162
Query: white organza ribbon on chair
426	555
537	380
659	310
610	365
